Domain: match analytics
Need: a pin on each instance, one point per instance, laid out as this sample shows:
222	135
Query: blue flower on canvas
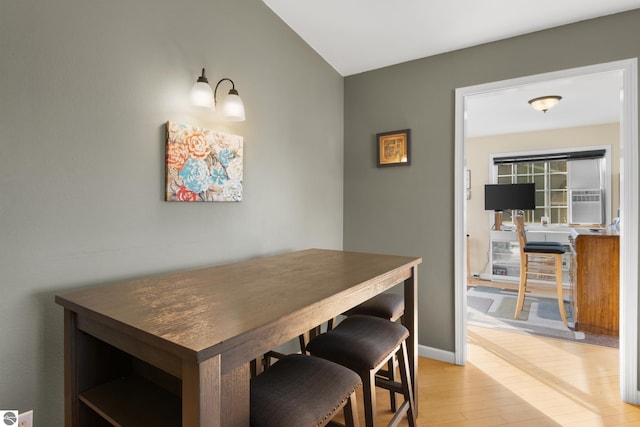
225	156
195	175
219	176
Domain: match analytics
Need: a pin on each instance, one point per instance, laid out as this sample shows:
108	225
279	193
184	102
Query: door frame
629	190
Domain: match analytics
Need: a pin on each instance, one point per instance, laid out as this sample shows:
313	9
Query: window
550	178
555	174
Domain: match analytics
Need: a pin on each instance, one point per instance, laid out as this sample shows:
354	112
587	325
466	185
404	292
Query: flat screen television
502	197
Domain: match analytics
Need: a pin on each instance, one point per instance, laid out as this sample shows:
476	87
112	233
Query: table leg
410	320
70	369
236	396
201	393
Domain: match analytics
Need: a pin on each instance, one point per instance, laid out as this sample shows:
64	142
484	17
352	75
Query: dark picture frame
393	148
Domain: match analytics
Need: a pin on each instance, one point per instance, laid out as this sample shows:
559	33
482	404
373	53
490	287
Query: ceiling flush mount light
201	94
543	103
232	107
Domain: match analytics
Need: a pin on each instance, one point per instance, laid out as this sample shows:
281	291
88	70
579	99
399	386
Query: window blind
550	157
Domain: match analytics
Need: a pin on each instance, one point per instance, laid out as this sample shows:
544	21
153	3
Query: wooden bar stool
542	260
388	306
304	391
385	306
365	344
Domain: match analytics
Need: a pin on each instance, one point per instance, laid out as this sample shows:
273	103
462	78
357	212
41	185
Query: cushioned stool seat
365	344
386	306
303	391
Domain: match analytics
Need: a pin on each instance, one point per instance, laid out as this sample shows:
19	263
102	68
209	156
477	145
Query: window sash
550	177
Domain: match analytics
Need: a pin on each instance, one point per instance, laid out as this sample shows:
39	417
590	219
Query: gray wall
85	90
409	210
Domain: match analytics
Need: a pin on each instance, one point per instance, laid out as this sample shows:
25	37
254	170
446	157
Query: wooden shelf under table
132	401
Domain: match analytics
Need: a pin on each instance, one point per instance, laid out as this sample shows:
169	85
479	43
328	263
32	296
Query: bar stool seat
386	306
365	344
303	391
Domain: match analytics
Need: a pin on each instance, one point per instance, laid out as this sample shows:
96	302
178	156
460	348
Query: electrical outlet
25	419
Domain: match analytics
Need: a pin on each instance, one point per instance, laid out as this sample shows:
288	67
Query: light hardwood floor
519	380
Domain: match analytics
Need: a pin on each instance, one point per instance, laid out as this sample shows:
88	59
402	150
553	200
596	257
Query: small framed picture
394	148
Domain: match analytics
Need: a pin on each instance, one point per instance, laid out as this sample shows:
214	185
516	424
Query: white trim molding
629	236
436	354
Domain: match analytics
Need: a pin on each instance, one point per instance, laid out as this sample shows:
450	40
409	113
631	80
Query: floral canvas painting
203	165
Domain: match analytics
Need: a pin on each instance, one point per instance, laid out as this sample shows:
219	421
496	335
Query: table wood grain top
201	309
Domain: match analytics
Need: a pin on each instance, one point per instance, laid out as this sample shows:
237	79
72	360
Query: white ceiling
355	36
361	35
586	100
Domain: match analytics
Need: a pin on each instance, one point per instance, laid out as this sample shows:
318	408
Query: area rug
494	308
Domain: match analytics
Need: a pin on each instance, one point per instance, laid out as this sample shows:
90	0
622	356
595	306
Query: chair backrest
522	237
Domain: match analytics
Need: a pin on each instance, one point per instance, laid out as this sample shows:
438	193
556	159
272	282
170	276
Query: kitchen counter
575	232
595	282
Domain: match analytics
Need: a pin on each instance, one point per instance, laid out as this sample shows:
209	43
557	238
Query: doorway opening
628	206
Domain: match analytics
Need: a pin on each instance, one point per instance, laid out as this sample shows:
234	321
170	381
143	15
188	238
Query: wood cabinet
595	281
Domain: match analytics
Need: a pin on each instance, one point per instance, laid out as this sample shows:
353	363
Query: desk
177	347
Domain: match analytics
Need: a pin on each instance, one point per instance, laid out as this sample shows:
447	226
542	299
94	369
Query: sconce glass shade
201	94
232	107
543	103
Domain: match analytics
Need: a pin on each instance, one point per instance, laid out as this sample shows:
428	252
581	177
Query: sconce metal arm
233	90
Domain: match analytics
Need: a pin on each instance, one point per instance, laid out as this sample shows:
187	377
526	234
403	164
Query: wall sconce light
232	106
201	94
203	97
543	103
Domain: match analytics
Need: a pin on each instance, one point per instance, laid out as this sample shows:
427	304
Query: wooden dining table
175	349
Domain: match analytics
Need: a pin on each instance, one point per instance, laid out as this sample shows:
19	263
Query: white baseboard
436	354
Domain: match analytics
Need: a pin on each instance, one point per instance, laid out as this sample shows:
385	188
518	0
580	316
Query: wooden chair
365	344
541	259
304	391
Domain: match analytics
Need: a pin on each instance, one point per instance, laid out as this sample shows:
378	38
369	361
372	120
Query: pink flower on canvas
185	195
177	154
197	145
